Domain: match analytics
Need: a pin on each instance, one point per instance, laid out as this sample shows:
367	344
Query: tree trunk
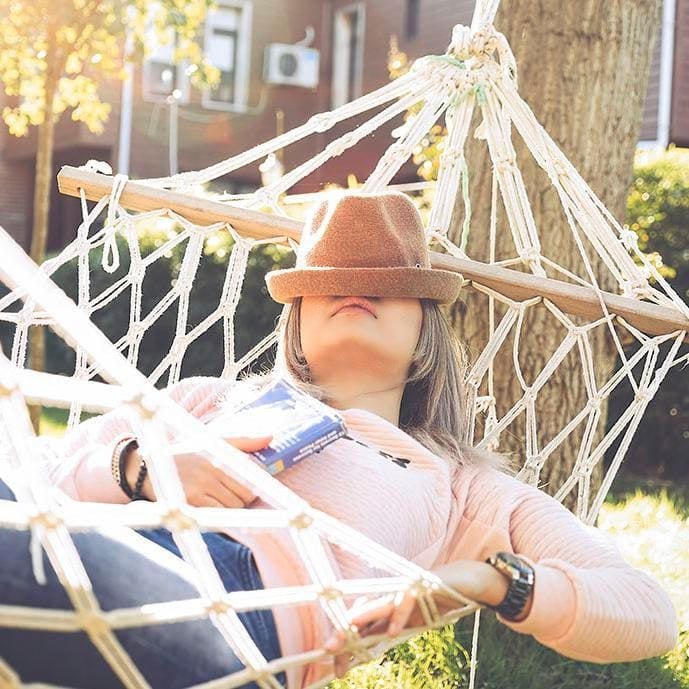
583	69
43	181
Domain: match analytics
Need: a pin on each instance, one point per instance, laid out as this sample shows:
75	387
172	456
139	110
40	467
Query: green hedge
658	211
256	314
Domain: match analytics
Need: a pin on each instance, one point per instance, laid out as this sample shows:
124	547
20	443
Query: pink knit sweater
588	603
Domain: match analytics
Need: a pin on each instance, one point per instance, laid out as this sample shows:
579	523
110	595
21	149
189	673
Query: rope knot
47	520
534	462
422	587
301	520
92	623
529	253
178	520
219	607
643	395
8	387
330	593
146	406
633	290
595	402
505	163
529	395
629	238
480	44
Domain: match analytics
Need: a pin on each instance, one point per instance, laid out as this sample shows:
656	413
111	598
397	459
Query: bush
256	314
658	211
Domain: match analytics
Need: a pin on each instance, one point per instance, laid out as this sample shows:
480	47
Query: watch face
513	566
511	560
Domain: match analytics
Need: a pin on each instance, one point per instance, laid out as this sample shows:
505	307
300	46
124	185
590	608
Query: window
161	77
412	24
227	44
348	54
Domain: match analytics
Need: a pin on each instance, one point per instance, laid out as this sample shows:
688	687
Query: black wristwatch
521	576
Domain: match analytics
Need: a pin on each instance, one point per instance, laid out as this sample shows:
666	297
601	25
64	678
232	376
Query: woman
391	366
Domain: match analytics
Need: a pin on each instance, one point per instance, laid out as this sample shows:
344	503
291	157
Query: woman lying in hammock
392	367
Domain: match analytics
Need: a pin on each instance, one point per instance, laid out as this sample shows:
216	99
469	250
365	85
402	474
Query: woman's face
378	335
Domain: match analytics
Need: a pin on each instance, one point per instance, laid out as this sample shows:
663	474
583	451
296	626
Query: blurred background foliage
658	211
256	314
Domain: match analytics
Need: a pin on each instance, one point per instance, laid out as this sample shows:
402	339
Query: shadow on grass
507	659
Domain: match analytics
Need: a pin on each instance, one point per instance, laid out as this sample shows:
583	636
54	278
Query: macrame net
478	71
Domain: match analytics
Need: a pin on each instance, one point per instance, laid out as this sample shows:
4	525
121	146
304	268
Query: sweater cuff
93	478
554	602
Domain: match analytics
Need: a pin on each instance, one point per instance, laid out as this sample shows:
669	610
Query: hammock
478	71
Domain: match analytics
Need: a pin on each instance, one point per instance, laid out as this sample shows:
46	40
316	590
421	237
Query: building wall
223	134
208	136
679	121
649	123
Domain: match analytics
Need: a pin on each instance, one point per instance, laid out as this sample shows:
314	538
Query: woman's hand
478	581
205	485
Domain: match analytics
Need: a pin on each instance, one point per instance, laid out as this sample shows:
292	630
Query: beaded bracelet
117	461
143	471
120	454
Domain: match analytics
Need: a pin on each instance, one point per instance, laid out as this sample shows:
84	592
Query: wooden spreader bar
572	299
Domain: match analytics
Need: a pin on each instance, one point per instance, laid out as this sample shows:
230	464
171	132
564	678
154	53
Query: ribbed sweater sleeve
83	455
588	603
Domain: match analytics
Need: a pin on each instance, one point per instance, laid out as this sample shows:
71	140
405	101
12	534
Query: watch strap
521	578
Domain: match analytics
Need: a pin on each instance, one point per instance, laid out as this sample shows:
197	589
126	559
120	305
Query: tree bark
43	180
583	69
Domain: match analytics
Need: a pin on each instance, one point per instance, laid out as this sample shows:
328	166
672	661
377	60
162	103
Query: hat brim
403	281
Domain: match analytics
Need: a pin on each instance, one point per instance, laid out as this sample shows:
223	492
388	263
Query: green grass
651	527
54	420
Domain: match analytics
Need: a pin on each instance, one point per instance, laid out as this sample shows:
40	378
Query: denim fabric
170	656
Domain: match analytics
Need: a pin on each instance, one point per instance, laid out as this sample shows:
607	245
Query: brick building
343	55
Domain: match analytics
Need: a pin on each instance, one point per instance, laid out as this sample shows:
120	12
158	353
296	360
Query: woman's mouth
354	308
355	305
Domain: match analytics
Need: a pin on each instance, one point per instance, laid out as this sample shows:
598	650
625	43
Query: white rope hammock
478	71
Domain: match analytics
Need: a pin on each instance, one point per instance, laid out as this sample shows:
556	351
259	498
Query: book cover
300	424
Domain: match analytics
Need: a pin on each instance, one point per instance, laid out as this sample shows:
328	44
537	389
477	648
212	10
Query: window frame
242	70
358	8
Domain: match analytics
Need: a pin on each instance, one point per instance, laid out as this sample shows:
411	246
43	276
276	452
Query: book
300	424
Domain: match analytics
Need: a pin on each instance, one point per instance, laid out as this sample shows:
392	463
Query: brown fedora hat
366	245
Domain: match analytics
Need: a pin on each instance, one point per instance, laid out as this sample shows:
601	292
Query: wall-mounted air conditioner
292	65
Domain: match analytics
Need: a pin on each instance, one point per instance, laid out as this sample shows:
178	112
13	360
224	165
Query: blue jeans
170	656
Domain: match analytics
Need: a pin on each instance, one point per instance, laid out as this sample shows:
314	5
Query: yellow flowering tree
54	54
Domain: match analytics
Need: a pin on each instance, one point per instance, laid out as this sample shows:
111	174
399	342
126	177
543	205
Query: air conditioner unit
293	65
161	79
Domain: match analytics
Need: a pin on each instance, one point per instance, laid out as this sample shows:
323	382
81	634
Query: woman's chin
350	352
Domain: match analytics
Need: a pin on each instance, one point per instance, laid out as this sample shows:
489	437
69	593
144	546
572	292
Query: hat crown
360	230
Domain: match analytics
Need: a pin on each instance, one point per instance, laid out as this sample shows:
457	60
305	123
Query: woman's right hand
204	484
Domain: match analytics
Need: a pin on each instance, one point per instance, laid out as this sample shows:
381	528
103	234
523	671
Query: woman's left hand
478	581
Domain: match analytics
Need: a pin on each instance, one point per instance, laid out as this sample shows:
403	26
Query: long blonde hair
433	406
